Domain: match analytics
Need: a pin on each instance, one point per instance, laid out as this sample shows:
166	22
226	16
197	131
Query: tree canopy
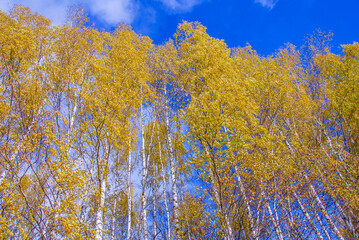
105	135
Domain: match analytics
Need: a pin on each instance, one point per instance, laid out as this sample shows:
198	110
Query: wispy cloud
114	11
180	5
110	11
267	3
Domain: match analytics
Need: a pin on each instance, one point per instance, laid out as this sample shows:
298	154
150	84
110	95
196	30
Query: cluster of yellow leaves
259	129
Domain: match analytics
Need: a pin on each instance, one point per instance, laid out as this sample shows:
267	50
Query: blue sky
265	24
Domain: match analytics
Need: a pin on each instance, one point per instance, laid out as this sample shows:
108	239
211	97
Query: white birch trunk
228	229
321	222
246	202
307	216
154	215
230	235
275	223
172	162
71	125
276	217
164	190
290	218
99	214
172	167
169	234
129	197
347	219
102	179
3	173
319	202
172	171
324	211
144	182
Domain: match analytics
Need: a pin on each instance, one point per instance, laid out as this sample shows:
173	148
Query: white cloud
267	3
180	5
114	11
111	11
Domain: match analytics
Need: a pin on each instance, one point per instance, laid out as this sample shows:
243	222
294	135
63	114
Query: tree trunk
307	216
247	205
154	214
173	172
99	214
164	190
275	223
101	174
216	190
144	182
324	211
129	197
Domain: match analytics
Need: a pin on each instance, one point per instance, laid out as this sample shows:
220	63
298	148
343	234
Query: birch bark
129	197
99	214
144	182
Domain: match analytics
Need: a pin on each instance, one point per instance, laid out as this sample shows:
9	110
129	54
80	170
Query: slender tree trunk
320	222
169	233
172	171
164	190
275	223
276	215
129	197
71	124
247	205
307	216
3	173
246	202
99	214
229	233
228	228
101	174
347	219
324	211
292	228
318	200
154	213
144	182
